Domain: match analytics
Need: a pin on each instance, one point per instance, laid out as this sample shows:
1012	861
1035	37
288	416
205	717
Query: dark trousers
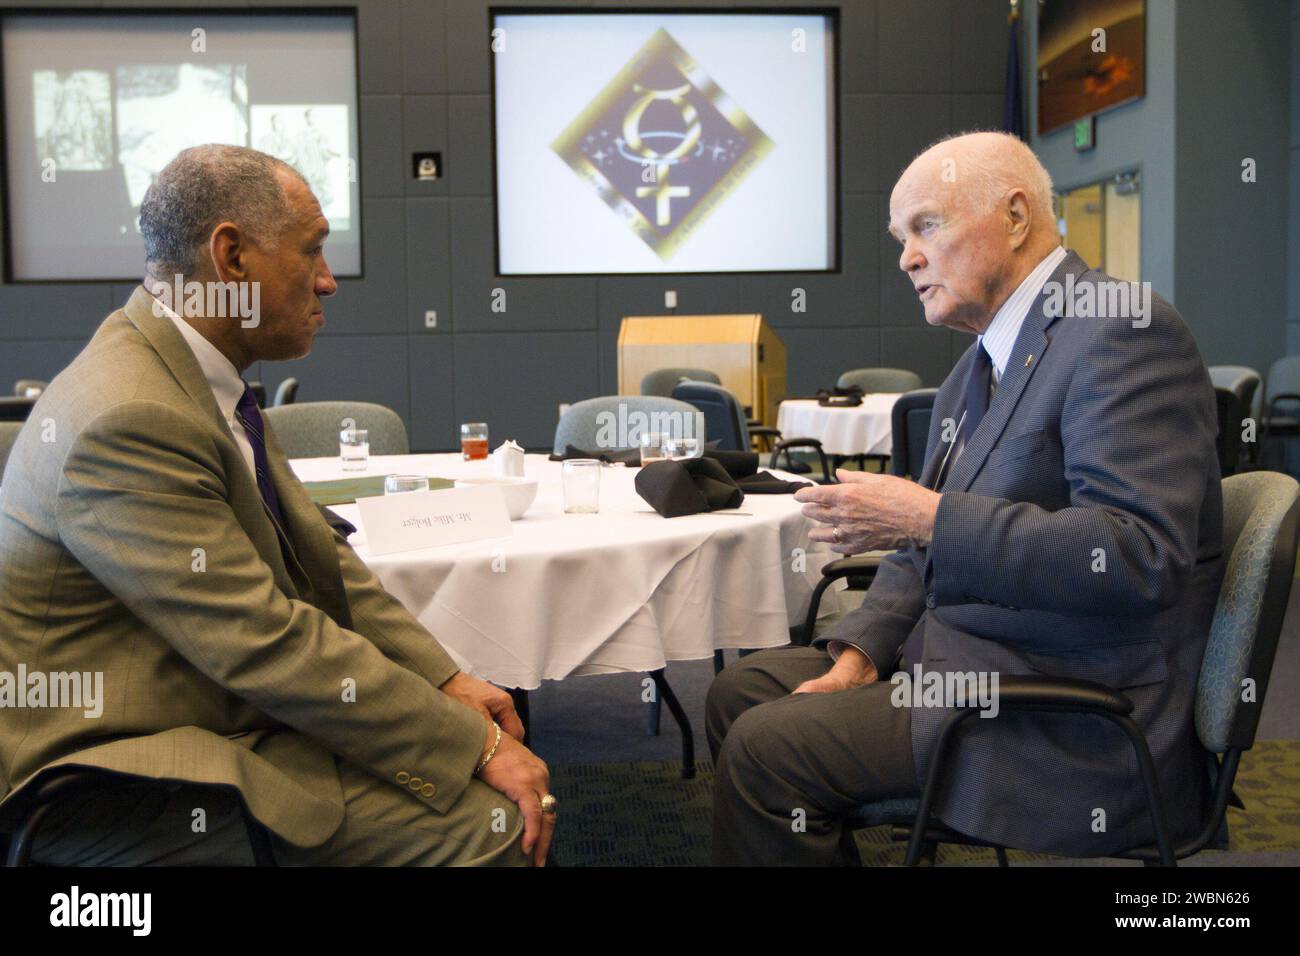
789	769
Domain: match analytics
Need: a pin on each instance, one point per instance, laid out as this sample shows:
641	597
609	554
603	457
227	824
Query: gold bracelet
491	753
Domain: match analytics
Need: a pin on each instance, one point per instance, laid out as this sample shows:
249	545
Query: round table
624	590
849	432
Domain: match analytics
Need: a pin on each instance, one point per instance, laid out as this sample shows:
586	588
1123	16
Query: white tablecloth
622	590
863	430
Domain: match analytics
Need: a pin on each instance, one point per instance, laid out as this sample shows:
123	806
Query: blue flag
1013	109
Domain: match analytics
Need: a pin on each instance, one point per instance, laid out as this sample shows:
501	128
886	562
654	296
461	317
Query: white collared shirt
223	378
999	339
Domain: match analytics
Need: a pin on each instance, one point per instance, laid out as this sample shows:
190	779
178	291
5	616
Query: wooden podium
742	349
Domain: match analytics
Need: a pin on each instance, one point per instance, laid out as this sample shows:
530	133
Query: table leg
679	715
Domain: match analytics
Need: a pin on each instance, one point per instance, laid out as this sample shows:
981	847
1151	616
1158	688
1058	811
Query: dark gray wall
1293	240
1230	279
1139	135
911	72
1217	93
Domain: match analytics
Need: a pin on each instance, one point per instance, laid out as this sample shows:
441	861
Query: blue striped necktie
251	418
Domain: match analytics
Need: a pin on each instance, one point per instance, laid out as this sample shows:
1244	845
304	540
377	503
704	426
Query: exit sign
1085	134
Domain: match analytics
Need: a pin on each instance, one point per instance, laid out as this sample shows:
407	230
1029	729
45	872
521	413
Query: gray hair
992	164
202	187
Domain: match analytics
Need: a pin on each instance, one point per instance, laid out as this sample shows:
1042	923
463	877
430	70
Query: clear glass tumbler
581	486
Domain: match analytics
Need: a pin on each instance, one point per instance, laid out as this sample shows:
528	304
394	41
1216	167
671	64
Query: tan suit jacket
134	542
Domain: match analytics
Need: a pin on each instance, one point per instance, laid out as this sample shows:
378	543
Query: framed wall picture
1091	57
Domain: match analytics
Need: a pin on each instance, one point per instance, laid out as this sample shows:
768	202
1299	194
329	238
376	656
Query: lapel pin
1029	360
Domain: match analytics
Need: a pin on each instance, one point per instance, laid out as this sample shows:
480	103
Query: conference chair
662	381
587	424
1261	530
311	430
1242	384
15	408
1281	405
286	393
23	821
8	435
259	393
910	429
29	387
729	429
872	380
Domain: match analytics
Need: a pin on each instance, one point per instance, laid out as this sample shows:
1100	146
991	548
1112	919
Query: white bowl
518	492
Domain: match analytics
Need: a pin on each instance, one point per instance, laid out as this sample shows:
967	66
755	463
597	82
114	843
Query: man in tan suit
152	532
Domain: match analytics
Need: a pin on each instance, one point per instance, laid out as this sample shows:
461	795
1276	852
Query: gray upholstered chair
8	435
286	393
614	422
662	381
1261	529
880	380
311	429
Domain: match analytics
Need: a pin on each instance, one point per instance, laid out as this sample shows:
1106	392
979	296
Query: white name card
427	519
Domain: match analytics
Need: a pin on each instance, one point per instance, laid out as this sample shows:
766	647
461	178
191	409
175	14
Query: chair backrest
287	392
662	381
1242	380
724	418
311	430
614	422
1283	378
1260	534
15	409
32	387
880	380
910	427
259	393
1227	444
8	435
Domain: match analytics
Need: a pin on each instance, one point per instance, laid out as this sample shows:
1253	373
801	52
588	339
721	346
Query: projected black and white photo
649	143
95	105
161	109
313	139
73	116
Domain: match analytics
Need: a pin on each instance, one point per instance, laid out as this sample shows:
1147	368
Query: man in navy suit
1068	523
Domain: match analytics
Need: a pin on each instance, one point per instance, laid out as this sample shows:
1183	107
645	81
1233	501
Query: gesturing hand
490	701
871	512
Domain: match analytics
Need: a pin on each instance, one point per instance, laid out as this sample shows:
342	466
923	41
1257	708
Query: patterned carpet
643	814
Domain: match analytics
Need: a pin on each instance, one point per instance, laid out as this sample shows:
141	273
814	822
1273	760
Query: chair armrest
784	446
867	563
1061	694
765	430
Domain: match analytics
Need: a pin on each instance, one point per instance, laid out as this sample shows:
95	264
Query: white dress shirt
223	378
1000	337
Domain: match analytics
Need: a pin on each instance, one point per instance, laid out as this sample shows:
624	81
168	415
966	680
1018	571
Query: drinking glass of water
354	448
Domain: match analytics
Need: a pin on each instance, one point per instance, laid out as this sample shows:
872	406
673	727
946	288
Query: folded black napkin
840	397
766	483
628	456
688	486
738	464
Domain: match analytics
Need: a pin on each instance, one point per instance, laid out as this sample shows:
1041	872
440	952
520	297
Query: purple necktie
251	418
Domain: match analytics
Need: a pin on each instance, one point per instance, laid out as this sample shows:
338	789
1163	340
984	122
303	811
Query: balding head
974	215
